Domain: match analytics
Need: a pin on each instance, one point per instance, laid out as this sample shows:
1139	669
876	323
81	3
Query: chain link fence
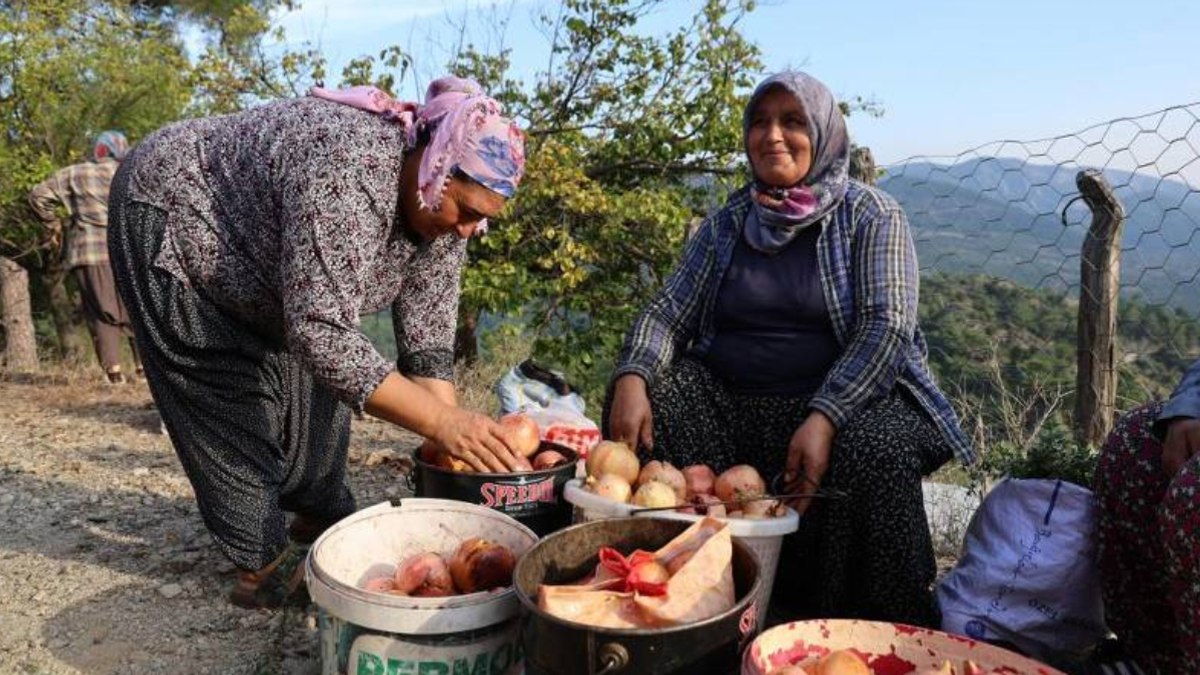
1001	232
1010	210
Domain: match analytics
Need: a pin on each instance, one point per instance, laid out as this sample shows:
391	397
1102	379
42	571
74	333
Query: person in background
1148	491
81	192
787	339
248	245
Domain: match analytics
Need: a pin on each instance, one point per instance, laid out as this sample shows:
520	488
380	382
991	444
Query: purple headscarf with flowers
467	133
782	212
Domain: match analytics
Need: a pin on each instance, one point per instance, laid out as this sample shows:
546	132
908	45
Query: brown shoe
276	585
305	530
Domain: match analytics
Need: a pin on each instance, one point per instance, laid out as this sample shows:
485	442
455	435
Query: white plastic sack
1028	572
545	397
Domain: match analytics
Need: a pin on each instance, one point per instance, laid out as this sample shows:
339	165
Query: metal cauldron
553	646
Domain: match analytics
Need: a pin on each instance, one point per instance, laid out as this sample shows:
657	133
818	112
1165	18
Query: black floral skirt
868	555
256	434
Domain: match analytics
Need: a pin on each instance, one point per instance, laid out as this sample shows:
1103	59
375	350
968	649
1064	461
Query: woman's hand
429	410
629	420
477	440
1182	441
808	457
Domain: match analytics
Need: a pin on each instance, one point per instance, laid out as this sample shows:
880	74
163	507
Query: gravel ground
105	566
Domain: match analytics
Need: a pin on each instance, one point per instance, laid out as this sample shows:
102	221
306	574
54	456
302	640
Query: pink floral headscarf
468	133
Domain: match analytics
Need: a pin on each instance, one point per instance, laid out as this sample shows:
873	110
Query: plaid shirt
868	268
82	191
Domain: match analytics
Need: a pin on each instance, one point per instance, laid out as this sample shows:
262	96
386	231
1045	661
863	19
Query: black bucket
554	646
534	498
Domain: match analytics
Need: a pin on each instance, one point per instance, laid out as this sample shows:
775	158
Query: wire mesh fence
1011	210
1008	208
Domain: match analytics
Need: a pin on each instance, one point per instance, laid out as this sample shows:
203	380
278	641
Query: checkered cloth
81	192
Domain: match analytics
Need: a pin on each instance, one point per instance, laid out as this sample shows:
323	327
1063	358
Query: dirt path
105	566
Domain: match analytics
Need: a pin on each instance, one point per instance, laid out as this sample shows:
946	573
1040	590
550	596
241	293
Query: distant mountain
1002	217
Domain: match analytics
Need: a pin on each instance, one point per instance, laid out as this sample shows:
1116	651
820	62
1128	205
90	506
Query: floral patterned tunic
288	217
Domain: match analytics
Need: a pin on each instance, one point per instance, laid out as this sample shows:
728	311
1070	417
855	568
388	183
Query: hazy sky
950	74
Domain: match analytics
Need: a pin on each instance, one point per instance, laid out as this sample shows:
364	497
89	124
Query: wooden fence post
862	164
1099	282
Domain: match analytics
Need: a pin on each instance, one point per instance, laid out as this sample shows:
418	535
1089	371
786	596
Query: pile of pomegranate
477	565
849	662
521	434
613	472
839	662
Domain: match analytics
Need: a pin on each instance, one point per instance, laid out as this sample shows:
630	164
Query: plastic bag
548	399
1028	572
700	588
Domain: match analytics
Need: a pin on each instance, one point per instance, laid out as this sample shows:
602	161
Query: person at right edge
787	339
1148	491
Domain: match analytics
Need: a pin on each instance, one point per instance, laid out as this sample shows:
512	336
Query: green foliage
1055	454
971	322
1006	355
619	128
69	69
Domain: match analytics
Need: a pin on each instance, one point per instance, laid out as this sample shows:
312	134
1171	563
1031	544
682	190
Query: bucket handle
613	657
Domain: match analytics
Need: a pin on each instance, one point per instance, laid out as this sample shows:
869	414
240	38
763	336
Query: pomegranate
445	460
428	452
481	565
520	434
740	482
654	495
789	670
699	479
610	486
548	459
424	575
615	458
649	572
840	662
707	505
663	472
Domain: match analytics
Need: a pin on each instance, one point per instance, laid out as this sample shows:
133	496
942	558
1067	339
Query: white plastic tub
764	536
894	646
366	632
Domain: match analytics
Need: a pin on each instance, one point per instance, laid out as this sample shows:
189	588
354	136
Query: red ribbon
629	569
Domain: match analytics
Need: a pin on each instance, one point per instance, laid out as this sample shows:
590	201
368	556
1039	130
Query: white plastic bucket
368	633
764	536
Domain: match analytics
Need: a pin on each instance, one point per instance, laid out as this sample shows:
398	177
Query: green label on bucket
378	655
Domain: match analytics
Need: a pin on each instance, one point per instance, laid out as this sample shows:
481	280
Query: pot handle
613	658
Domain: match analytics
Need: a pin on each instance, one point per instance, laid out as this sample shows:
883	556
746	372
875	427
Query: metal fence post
1099	282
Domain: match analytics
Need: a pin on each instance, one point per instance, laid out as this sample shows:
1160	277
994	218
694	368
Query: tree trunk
466	348
20	347
73	339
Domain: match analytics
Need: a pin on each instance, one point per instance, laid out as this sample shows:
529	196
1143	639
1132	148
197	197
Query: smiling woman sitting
787	339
